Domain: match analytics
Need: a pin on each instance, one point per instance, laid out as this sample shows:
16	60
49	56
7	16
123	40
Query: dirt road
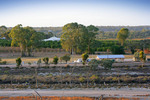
123	92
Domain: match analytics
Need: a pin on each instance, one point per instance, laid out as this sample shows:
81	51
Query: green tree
65	57
18	61
84	58
122	35
6	35
26	37
46	60
142	57
91	35
48	35
3	29
55	60
76	37
18	37
117	49
136	56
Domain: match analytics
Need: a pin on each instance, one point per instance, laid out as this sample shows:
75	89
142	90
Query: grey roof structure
110	56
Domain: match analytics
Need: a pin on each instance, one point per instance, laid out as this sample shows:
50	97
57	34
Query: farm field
11	60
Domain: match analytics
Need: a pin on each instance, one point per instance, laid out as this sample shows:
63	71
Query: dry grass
34	59
10	57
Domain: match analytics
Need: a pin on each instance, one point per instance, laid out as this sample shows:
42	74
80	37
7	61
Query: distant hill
105	32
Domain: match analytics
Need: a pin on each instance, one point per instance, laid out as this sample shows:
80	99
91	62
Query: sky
46	13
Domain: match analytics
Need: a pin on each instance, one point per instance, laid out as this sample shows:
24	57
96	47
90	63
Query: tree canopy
77	37
26	37
123	35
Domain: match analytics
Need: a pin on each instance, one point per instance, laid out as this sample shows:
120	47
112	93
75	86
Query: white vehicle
78	60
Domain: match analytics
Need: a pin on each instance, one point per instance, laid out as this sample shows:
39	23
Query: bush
94	64
136	56
39	62
55	60
65	58
106	63
84	57
46	60
81	79
3	62
94	78
18	61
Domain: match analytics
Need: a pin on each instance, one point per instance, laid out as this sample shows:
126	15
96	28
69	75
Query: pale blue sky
43	13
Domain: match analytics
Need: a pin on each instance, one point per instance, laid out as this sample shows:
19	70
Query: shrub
65	58
93	64
18	61
55	60
106	63
94	78
46	60
81	79
39	62
84	57
136	56
3	62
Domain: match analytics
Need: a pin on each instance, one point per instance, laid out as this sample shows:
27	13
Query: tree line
105	32
75	38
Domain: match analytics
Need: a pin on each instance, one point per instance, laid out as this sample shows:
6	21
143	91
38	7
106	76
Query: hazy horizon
56	13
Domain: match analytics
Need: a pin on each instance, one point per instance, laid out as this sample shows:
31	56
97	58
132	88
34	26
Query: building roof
52	39
109	56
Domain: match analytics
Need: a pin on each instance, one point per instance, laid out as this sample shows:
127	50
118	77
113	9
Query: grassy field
10	57
34	59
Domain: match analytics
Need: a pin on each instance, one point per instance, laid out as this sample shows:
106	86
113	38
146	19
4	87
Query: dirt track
124	92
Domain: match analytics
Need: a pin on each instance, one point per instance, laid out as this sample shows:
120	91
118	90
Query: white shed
52	39
115	57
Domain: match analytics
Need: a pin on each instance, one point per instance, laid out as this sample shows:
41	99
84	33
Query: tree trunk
22	48
122	42
29	52
89	49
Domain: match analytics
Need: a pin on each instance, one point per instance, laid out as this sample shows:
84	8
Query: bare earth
123	92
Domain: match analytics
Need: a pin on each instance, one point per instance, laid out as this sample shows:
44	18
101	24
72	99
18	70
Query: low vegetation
56	77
